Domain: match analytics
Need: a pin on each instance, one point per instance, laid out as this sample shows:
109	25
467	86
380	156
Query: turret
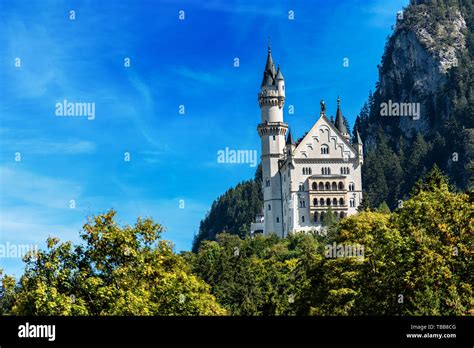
271	97
290	145
280	83
340	123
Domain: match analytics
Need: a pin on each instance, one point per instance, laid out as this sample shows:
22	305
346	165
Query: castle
302	179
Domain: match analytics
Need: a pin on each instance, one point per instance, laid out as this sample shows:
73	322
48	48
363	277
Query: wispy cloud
43	191
45	146
198	75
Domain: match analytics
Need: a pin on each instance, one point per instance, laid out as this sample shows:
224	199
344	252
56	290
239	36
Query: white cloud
22	185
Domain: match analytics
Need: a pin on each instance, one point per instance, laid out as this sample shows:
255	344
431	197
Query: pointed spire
269	66
340	124
279	75
269	73
289	139
358	139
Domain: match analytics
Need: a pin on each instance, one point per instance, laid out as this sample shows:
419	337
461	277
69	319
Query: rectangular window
269	207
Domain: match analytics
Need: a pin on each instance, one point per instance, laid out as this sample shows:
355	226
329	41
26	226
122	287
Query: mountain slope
428	62
233	211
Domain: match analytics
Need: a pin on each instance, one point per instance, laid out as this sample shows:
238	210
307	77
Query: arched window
315	201
342	215
302	219
321	186
328	201
334	186
341	185
301	187
321	201
323	172
341	201
328	187
352	203
334	201
316	214
324	149
314	186
351	186
322	215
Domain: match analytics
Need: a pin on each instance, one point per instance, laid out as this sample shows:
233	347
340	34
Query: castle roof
358	139
269	74
279	75
289	139
340	124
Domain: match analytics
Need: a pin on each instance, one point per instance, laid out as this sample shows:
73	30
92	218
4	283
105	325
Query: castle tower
272	131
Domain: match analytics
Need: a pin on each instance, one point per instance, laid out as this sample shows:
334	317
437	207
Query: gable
324	133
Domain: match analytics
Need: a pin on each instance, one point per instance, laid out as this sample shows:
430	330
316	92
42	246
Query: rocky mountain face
420	54
421	112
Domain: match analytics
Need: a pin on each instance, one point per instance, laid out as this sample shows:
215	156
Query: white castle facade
302	180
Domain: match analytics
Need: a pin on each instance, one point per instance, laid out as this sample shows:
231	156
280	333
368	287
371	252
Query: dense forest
416	260
233	211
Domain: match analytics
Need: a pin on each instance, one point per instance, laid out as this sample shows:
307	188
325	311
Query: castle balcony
325	207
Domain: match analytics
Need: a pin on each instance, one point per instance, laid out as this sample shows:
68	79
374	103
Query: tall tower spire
272	131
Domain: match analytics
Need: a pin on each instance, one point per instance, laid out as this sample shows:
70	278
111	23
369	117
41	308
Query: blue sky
174	62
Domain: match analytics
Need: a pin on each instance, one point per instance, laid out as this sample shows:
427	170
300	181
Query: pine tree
383	208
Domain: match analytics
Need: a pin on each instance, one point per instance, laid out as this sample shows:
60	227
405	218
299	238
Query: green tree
7	293
439	225
254	276
383	208
118	271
